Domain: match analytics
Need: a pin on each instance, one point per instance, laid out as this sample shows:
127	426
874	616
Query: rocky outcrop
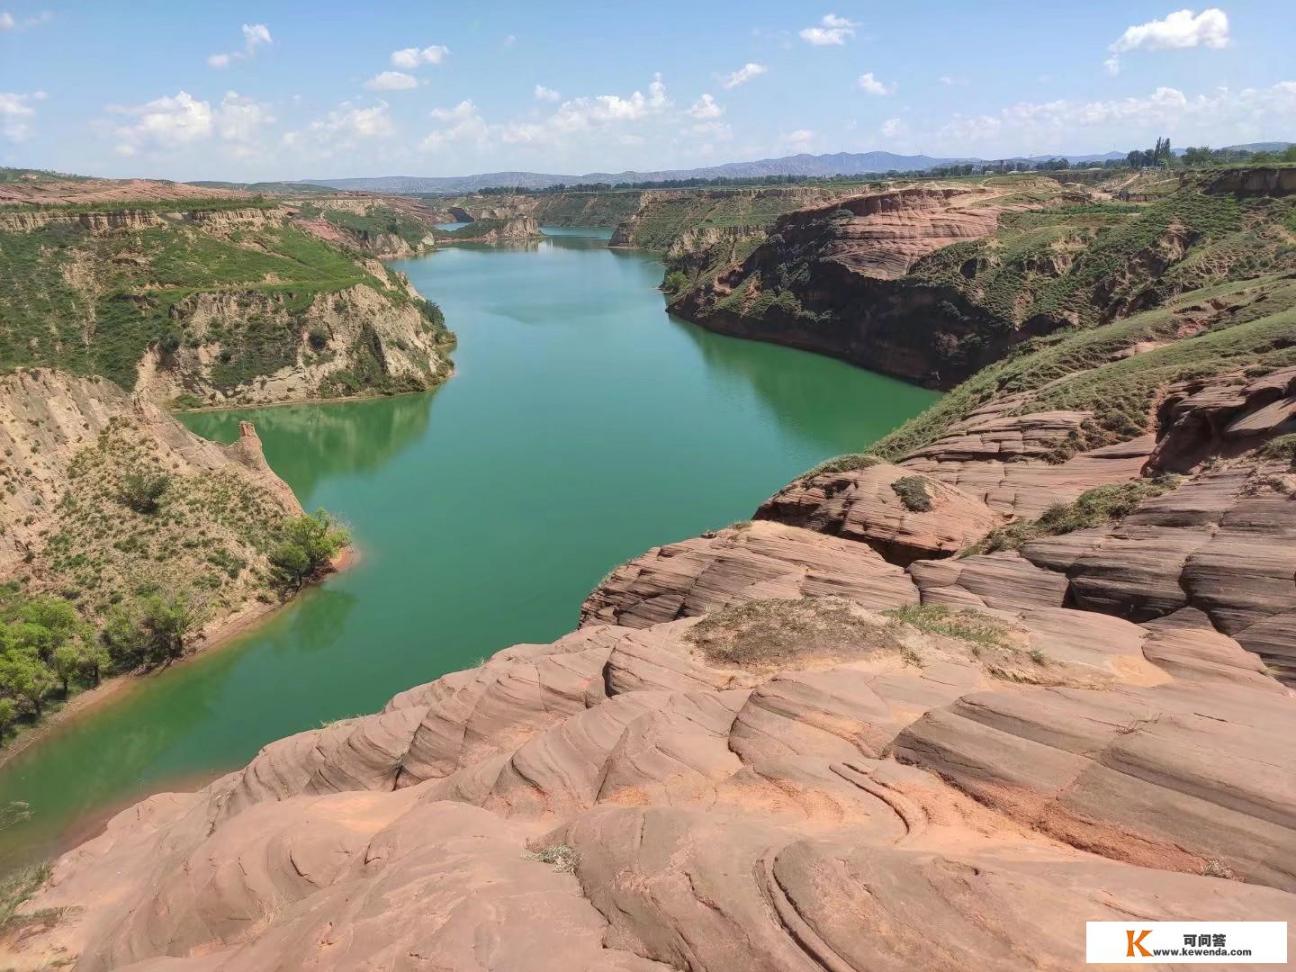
877	795
742	563
1255	181
831	280
259	314
930	519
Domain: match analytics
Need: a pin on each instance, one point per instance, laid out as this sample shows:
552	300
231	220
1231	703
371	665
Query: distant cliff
215	304
932	283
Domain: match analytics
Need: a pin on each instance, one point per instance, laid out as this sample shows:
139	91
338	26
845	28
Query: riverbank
220	634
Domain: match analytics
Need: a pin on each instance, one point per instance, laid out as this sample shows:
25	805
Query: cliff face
508	231
933	283
384	228
69	442
221	305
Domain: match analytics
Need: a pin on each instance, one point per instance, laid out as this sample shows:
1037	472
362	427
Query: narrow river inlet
582	427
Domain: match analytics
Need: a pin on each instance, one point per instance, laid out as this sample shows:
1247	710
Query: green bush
306	546
150	630
142	490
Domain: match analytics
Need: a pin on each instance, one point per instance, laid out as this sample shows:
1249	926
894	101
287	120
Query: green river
583	426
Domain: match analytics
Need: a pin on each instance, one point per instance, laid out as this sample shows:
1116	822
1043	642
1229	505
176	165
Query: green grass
1091	508
16	888
93	304
378	220
1281	449
966	625
1256	328
846	463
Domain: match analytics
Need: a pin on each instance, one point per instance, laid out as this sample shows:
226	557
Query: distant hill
270	188
1259	147
837	163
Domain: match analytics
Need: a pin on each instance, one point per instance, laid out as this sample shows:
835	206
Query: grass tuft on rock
966	625
561	857
913	493
1091	508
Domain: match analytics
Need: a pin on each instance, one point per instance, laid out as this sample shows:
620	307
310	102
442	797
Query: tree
142	490
8	713
66	663
45	623
150	630
307	544
24	677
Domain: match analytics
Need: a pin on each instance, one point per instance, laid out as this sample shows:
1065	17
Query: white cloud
871	85
16	114
743	75
799	139
1219	117
705	107
831	30
950	81
391	81
463	124
254	36
410	58
173	122
164	123
9	22
573	118
546	94
345	128
510	40
580	114
894	128
1178	31
241	119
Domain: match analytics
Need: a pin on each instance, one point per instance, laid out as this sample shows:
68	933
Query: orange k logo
1133	943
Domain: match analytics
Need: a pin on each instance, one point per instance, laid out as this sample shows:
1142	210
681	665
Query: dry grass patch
775	634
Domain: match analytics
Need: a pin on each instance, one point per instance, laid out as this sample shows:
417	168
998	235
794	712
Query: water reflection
306	444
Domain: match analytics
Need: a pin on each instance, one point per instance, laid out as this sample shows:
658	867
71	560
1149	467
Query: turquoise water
583	426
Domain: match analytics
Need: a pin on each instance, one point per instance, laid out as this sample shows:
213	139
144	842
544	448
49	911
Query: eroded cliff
239	302
69	445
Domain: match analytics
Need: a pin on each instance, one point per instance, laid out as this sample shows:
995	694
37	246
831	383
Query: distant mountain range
834	164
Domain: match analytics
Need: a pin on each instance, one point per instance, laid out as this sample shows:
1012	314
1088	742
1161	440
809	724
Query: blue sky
271	90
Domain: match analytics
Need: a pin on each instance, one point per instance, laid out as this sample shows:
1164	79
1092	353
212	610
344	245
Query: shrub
318	337
561	857
675	282
142	490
